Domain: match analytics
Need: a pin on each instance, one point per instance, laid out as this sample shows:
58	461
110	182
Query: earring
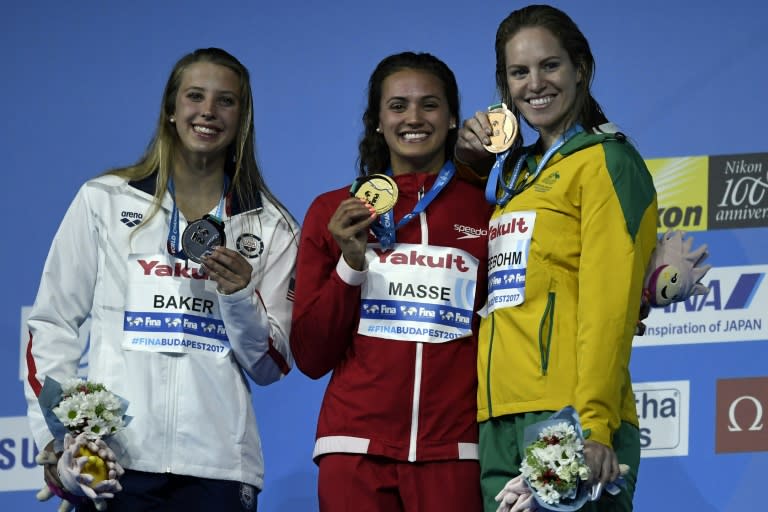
378	129
452	126
172	119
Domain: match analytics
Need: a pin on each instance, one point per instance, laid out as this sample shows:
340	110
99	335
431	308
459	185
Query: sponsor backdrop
82	86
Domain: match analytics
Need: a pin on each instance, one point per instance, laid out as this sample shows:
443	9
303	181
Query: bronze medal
379	190
504	124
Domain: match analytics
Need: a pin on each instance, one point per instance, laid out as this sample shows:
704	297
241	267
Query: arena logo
663	410
740	410
18	470
738	191
734	309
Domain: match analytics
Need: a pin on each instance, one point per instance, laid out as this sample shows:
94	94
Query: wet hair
373	150
246	180
565	30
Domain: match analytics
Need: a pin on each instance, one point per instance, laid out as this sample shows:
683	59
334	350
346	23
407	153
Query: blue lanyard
174	240
384	228
512	187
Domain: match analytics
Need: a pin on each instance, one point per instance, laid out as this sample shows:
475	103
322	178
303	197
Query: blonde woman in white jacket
177	322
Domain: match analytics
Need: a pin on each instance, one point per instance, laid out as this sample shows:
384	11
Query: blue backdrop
81	91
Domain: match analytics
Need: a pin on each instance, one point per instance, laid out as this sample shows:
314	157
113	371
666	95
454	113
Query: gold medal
379	190
504	124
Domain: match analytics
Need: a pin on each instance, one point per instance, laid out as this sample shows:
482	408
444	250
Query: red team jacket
403	400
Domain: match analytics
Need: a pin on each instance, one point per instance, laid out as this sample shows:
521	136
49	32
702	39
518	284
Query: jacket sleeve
326	311
258	317
63	302
618	231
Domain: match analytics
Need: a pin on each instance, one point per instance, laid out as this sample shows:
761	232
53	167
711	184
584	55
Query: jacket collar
233	207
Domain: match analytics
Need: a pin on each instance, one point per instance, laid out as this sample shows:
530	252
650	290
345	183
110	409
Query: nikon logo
673	217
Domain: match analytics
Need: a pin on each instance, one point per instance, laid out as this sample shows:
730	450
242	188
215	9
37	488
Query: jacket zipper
488	375
545	332
169	441
414	434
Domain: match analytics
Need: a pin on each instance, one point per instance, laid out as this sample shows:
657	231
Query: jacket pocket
546	326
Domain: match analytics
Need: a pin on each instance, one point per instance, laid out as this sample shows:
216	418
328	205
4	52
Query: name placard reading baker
419	293
509	238
171	307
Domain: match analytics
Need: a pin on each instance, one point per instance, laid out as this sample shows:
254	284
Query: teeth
414	136
540	102
204	129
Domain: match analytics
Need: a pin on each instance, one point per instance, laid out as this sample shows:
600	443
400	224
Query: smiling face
207	111
543	81
414	118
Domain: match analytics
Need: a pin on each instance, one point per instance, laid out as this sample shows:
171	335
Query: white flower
89	407
554	464
69	414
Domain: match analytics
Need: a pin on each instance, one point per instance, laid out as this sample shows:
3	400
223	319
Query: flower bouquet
80	414
554	466
554	472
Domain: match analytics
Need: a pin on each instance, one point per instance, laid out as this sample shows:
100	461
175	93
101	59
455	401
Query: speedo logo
153	268
131	219
469	232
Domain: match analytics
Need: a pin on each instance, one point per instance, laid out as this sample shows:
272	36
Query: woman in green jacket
569	241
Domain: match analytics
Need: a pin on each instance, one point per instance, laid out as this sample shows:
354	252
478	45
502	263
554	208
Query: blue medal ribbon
174	239
384	228
515	185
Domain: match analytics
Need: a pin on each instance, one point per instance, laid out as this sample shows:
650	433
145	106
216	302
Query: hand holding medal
504	126
370	197
378	190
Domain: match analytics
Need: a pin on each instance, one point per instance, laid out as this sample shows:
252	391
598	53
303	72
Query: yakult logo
515	225
740	415
416	259
177	270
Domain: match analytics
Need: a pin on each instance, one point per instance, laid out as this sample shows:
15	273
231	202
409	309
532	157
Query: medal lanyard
512	187
384	228
174	240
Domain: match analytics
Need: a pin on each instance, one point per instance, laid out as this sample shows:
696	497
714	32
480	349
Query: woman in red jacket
390	314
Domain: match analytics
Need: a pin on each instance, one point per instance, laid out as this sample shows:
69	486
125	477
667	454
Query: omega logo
740	407
757	424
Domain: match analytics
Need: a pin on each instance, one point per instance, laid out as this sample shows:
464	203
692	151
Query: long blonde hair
246	180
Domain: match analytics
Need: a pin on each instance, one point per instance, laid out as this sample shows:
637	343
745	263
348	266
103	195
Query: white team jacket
192	413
